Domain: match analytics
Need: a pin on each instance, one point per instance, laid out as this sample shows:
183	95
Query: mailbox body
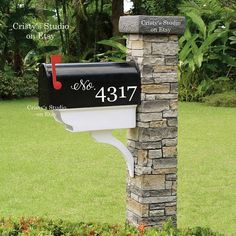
87	85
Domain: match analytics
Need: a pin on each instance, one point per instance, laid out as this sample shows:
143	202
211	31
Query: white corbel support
100	123
105	136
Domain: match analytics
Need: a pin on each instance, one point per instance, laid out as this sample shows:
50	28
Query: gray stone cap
152	24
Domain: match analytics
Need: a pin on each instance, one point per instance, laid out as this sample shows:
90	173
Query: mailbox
89	85
94	97
91	96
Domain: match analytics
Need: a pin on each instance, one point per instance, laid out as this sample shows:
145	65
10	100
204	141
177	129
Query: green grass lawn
47	171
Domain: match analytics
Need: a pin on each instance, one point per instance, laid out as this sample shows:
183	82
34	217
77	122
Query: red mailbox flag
55	59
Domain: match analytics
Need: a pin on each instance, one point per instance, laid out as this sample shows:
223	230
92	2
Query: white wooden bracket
105	136
100	122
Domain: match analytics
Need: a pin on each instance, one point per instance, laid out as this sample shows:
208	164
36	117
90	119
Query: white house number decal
82	85
111	94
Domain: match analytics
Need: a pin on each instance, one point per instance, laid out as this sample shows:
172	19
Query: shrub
226	99
12	86
207	56
42	227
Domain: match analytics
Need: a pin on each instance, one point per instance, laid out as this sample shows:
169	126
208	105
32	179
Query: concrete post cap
142	24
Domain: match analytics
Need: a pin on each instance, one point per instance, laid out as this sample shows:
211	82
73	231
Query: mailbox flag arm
55	59
105	136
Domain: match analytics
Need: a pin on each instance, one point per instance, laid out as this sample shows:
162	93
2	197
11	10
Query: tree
117	11
14	41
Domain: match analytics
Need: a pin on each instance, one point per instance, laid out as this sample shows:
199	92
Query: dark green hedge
42	227
12	86
226	99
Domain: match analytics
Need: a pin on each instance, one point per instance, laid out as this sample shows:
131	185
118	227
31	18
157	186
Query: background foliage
207	49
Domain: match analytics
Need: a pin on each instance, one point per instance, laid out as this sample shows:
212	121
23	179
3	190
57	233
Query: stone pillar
153	44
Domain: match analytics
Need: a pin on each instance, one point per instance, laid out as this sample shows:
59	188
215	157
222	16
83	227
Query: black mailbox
82	85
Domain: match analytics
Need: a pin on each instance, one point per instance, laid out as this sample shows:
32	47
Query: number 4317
112	93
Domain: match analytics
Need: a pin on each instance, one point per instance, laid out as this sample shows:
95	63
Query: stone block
147	48
142	157
155	206
154	61
174	186
170	210
135	37
142	170
169	142
153	221
157	213
155	88
137	53
172	122
173	104
171	60
131	143
173	38
165	77
166	96
158	124
133	134
171	177
168	184
154	106
156	134
169	151
153	154
159	193
138	208
164	49
165	163
150	145
138	192
170	113
165	69
146	79
170	204
174	88
145	117
161	171
137	44
143	124
157	199
150	97
143	96
147	69
132	218
134	151
150	182
154	39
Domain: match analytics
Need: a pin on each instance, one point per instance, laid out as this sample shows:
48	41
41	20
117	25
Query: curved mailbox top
89	85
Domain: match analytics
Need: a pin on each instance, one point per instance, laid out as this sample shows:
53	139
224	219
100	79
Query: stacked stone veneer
151	195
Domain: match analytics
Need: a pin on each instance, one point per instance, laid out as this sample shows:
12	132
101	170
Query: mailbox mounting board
89	85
